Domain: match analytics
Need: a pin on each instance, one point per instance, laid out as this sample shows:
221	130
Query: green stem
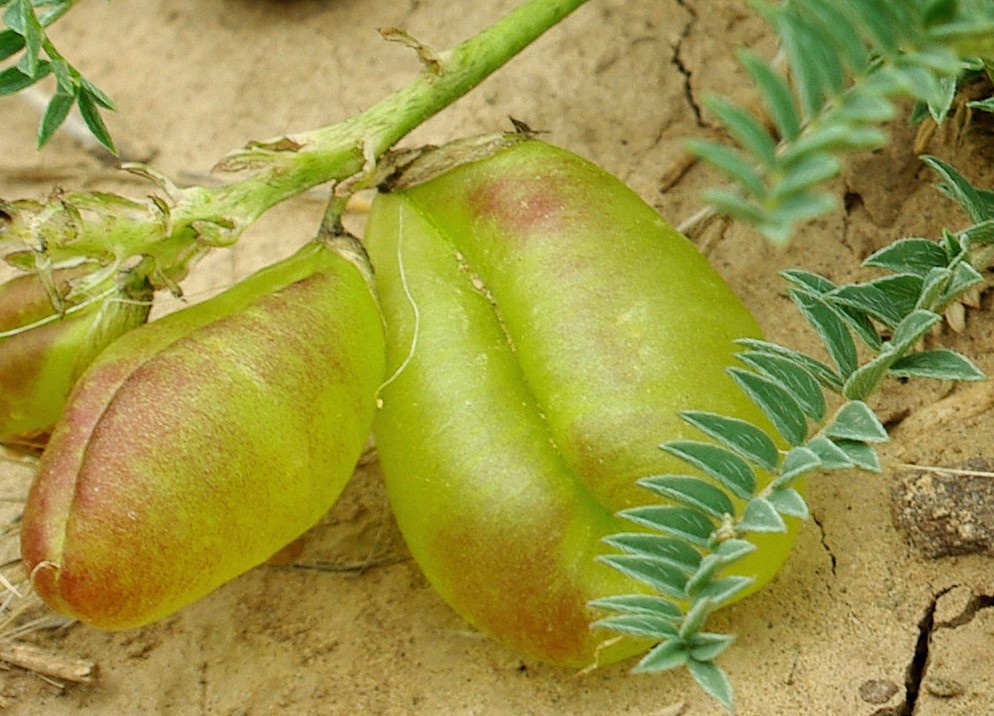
176	232
345	149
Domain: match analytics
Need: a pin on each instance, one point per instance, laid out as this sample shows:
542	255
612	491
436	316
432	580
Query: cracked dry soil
861	622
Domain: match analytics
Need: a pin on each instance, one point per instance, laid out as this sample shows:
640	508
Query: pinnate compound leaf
735	205
26	31
935	286
13	80
789	502
868	377
965	276
744	128
99	96
952	243
831	455
776	94
939	110
860	454
704	575
761	516
20	17
798	461
916	256
862	325
779	406
808	68
656	574
55	114
791	377
831	328
824	374
692	492
845	61
816	284
799	206
731	550
803	174
707	646
850	314
720	463
665	656
89	110
10	44
887	299
648	626
865	108
722	590
696	617
979	234
742	437
957	188
987	105
836	138
911	330
674	552
856	421
680	522
714	681
939	363
639	604
844	35
732	162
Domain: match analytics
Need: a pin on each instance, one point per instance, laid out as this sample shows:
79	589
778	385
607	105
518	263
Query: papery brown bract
198	446
545	327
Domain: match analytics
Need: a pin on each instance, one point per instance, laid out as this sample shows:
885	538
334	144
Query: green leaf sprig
847	60
702	528
25	22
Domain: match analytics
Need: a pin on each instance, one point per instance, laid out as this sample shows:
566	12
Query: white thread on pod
414	307
58	316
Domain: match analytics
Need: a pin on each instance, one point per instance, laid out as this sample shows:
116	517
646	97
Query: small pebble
877	691
943	688
943	514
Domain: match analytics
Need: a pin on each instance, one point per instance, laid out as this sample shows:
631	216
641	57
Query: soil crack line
204	681
824	541
681	66
977	603
916	671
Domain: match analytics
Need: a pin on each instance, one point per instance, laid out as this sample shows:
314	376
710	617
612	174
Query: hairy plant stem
345	149
178	231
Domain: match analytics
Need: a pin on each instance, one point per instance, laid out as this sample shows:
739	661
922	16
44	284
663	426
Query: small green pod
545	327
43	350
197	446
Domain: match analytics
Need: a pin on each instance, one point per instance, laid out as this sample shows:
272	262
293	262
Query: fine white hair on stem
58	316
414	307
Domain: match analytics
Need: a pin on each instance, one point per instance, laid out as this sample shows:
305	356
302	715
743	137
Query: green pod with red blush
197	446
545	327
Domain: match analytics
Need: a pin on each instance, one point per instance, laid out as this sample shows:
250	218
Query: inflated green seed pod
544	329
44	348
197	446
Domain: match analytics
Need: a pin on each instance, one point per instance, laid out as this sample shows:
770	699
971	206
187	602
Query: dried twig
48	663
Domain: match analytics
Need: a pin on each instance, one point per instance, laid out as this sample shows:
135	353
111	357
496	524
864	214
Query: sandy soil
862	621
